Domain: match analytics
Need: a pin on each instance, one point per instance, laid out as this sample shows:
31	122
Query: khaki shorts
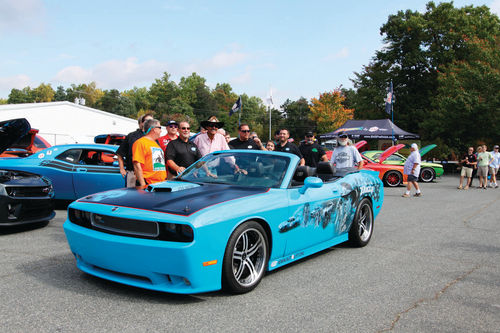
493	171
482	171
466	172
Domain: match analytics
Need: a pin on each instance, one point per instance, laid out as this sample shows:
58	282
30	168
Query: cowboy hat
212	121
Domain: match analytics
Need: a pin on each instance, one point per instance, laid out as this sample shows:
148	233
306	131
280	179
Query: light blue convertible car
229	218
75	170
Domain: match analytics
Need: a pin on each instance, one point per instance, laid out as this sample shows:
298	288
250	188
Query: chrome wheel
249	255
362	227
245	259
365	223
427	175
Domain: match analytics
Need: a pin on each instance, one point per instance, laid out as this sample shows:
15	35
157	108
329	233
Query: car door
312	217
97	171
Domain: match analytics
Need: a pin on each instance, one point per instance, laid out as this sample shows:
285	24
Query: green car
428	171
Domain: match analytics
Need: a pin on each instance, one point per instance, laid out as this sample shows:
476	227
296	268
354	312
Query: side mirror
313	182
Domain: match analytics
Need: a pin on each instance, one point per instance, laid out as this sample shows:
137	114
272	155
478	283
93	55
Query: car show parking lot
432	265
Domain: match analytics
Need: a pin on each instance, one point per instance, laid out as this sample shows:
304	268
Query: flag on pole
389	100
236	107
269	100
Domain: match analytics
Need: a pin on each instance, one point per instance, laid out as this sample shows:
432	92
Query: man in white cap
412	169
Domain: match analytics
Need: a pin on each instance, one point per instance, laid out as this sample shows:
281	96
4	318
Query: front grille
172	232
28	192
125	226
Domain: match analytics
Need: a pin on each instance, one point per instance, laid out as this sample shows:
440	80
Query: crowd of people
481	163
145	157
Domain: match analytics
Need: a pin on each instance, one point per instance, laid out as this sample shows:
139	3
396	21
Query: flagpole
239	113
269	108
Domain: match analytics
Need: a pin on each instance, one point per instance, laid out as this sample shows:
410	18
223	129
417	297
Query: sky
292	48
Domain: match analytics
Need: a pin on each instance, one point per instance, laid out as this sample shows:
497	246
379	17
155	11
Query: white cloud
22	15
495	7
17	81
221	60
116	74
342	54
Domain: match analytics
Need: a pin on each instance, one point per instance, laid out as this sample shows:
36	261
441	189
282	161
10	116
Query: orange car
27	145
391	175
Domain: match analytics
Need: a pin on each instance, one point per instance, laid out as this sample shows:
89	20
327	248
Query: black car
24	197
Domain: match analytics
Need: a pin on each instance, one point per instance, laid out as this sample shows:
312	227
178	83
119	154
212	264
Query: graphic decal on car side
340	211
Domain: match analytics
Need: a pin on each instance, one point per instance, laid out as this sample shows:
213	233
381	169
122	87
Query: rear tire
362	227
245	258
427	175
393	178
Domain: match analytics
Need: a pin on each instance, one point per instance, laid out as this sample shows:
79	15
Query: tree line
444	64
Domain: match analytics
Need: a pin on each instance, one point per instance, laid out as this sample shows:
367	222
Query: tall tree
418	47
296	117
60	94
328	112
43	93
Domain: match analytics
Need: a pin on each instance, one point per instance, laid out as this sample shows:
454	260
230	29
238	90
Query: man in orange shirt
148	157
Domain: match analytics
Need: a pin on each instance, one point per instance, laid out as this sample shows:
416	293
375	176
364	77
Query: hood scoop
171	186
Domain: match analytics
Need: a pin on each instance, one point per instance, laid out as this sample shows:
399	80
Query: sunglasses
309	136
245	131
173	126
214	126
185	128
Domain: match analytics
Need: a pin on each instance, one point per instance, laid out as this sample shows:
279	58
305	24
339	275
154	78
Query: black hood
11	131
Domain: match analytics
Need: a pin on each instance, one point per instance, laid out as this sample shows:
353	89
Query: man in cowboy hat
212	140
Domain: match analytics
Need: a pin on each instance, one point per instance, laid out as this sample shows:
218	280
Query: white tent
66	122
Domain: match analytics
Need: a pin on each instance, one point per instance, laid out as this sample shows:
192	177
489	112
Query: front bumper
151	264
19	211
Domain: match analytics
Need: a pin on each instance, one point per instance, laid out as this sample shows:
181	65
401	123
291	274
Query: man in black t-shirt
181	152
287	147
312	151
124	152
469	162
243	141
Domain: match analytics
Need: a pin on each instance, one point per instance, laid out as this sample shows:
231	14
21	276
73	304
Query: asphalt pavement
433	265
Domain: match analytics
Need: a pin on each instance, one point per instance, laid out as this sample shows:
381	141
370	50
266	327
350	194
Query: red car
27	145
391	175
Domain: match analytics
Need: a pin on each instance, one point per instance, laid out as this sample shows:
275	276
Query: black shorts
412	178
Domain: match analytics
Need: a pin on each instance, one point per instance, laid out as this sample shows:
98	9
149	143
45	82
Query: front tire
245	258
362	227
393	178
427	175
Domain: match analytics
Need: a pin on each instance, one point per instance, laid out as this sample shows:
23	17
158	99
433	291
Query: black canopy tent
370	129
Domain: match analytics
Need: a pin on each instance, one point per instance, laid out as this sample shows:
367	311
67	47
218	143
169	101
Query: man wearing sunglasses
148	157
124	152
172	134
181	152
243	141
211	140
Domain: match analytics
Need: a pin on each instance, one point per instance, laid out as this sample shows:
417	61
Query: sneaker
418	194
405	195
496	185
466	187
460	187
484	188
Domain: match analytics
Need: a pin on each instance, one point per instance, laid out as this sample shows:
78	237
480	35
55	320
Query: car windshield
238	168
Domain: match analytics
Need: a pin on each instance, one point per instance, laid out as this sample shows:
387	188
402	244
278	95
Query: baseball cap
309	133
495	147
342	135
171	122
414	146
